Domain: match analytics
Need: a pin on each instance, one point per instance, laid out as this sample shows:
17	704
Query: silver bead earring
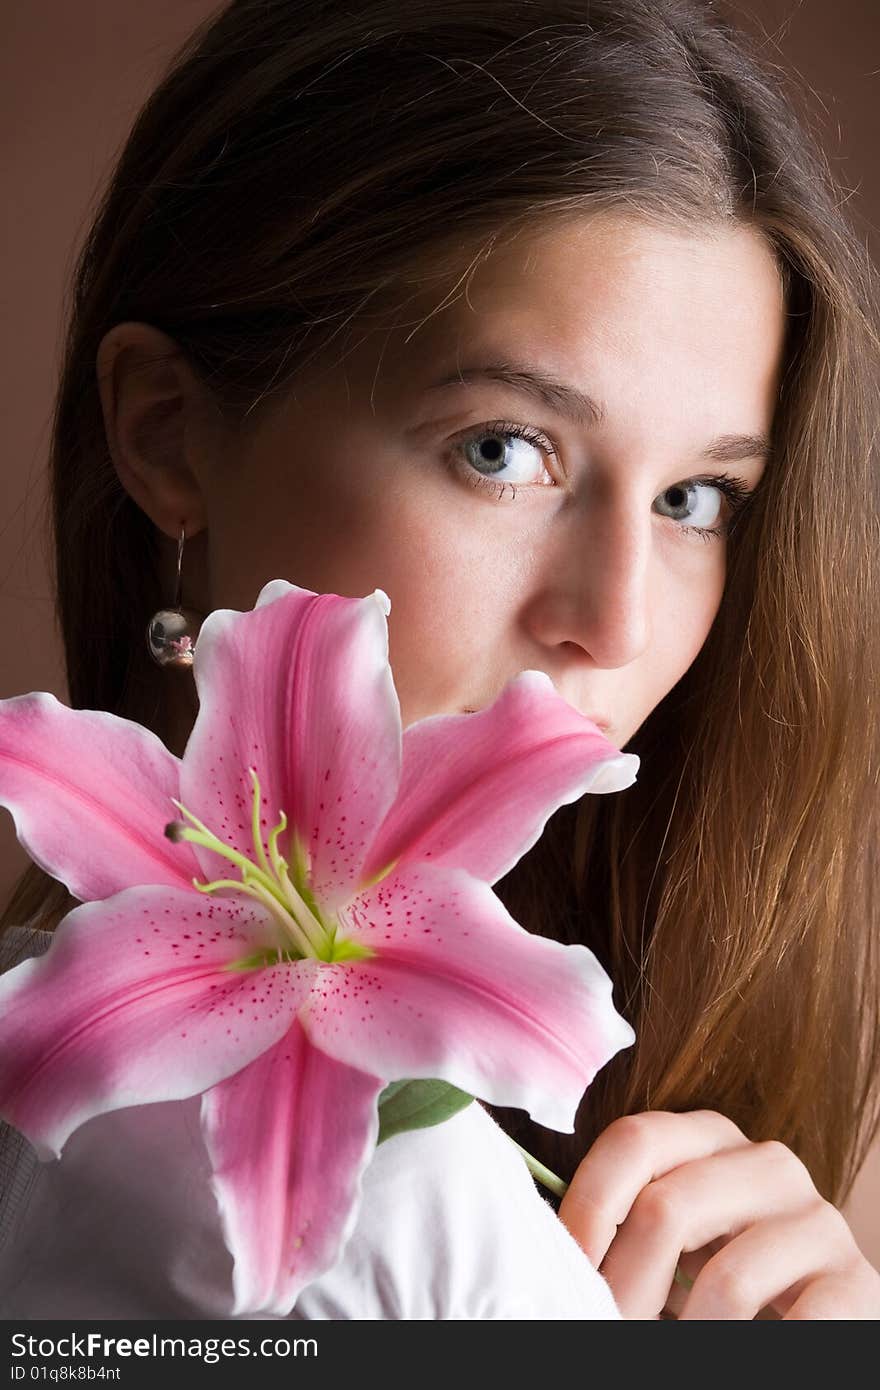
172	632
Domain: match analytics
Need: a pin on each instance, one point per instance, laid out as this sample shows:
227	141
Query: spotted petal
301	688
457	990
289	1138
90	793
476	790
135	1002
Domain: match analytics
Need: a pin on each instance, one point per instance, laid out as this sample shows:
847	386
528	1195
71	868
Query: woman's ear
161	422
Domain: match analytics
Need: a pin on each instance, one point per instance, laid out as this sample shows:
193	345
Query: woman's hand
742	1220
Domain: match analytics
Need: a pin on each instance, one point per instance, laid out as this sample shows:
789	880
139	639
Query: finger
692	1205
842	1296
628	1155
689	1265
773	1261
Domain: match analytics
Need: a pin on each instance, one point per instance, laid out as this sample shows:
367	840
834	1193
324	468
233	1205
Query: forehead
614	299
610	278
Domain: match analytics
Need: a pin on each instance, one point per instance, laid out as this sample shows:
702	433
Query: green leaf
407	1105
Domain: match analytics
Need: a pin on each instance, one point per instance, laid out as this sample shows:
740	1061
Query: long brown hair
301	161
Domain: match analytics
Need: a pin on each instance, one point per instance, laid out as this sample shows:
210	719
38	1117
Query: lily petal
457	990
119	1014
289	1138
90	794
476	790
301	688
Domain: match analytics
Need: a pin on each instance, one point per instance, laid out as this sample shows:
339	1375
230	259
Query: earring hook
177	589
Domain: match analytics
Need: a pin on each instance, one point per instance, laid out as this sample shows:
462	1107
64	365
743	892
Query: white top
124	1225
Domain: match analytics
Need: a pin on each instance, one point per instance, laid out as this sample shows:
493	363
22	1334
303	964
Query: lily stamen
278	893
203	836
274	855
255	822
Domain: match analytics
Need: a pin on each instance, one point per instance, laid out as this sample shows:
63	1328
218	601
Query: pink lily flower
358	944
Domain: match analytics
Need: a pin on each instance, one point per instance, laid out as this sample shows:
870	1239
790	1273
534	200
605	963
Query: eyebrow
569	401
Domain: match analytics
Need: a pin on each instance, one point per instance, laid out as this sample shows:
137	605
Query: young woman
545	319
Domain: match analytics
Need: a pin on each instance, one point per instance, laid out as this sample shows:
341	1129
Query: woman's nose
600	593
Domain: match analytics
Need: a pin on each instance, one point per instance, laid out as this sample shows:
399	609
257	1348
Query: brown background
71	80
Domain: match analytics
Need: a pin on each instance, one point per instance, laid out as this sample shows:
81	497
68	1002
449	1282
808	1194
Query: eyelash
736	490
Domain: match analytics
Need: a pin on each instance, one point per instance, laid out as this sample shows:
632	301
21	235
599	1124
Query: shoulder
451	1226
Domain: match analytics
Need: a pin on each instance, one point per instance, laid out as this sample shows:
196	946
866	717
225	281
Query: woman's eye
502	456
699	504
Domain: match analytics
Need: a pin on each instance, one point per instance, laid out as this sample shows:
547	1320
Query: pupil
492	450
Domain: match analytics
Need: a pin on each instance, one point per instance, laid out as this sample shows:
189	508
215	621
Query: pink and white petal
476	790
301	688
459	991
134	1002
289	1138
90	794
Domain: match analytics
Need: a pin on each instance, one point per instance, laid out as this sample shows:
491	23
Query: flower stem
542	1174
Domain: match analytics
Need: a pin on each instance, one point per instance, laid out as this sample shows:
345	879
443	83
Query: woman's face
566	550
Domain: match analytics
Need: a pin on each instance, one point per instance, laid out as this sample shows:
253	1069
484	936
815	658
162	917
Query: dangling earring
172	632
